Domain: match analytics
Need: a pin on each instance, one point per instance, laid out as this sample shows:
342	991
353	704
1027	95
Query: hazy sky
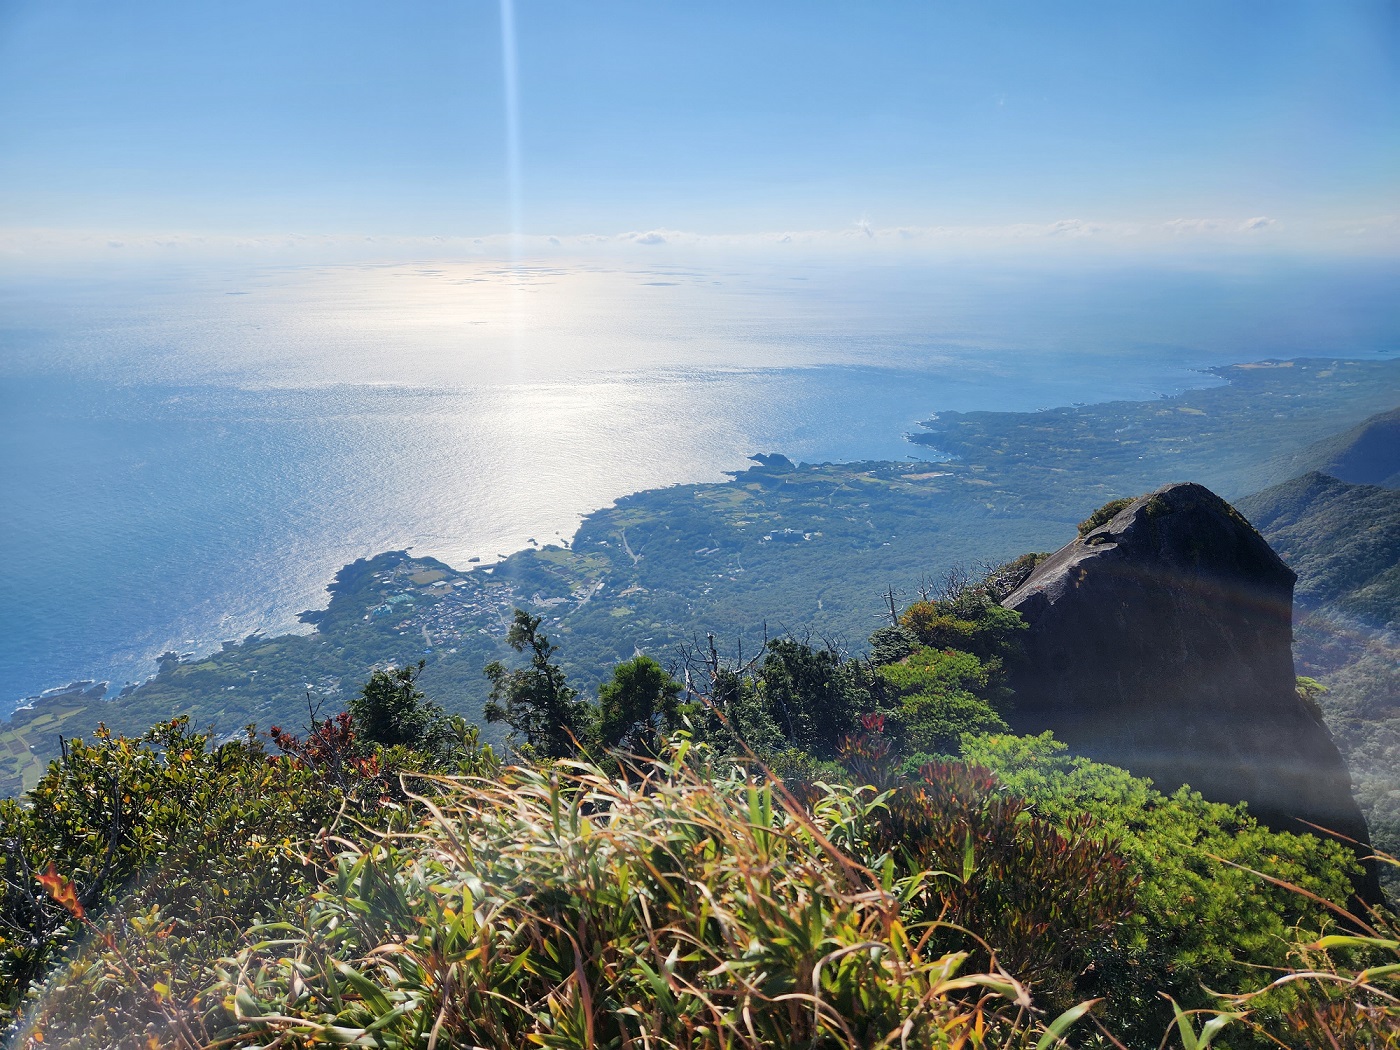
146	117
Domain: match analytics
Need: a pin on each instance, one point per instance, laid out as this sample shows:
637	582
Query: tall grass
687	907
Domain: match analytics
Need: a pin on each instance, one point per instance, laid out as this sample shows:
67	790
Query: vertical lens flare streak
511	96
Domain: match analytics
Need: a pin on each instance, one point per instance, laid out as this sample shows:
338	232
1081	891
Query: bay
188	457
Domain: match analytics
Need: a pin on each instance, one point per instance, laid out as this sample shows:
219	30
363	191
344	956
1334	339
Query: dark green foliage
638	707
735	716
892	642
536	700
813	696
970	621
392	711
1103	515
791	705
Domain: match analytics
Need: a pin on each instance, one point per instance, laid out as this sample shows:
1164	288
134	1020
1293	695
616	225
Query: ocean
189	456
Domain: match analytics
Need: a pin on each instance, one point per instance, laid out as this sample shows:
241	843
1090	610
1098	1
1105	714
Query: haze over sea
190	457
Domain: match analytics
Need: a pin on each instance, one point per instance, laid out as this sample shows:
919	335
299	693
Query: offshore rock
1161	642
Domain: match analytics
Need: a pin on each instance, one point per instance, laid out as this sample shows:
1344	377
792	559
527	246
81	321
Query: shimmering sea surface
186	458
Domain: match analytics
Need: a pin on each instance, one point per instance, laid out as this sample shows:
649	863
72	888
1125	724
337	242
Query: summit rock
1160	642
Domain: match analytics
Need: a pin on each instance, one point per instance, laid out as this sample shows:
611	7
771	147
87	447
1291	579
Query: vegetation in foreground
802	849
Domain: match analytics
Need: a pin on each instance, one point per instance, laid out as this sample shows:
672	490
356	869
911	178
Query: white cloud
1074	228
1367	233
1188	226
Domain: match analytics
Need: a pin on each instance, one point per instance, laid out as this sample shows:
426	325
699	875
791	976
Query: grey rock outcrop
1161	642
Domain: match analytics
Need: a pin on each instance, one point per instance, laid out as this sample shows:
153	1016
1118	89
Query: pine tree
536	700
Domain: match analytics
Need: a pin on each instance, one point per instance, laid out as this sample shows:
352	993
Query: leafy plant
639	706
1104	515
392	711
970	622
168	844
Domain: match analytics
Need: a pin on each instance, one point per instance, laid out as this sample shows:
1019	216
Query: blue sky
714	119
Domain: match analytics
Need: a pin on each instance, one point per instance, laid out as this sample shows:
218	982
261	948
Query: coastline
126	667
950	432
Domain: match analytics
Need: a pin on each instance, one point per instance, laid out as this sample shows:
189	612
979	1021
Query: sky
170	124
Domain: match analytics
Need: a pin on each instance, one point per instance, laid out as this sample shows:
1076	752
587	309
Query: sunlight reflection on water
189	459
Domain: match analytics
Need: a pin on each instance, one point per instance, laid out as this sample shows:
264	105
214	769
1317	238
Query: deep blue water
187	459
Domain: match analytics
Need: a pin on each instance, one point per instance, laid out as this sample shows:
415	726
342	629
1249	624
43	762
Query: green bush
1199	923
171	844
1103	515
940	695
971	622
638	707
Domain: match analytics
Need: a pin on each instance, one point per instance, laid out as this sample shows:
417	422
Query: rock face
1160	642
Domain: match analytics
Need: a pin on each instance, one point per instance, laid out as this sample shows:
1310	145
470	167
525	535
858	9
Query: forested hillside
1343	540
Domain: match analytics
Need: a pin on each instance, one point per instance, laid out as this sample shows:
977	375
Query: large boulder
1161	642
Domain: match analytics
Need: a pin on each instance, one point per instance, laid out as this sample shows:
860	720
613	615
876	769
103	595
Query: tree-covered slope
1368	454
1342	539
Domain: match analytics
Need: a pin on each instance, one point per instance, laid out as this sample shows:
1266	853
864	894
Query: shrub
971	622
890	643
935	723
941	695
638	706
393	712
1103	515
536	700
1342	989
1039	896
159	851
171	844
813	696
1199	923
